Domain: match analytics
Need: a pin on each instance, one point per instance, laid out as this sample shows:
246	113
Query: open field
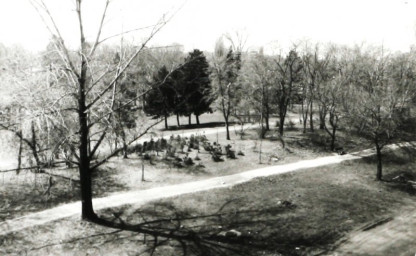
28	192
305	213
302	213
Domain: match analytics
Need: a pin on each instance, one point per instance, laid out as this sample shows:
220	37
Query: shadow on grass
195	126
398	157
166	230
398	169
103	181
31	193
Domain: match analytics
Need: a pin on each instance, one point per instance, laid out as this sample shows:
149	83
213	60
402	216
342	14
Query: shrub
277	123
319	140
188	161
177	164
192	140
195	145
191	144
170	151
151	145
171	138
216	158
163	143
182	147
208	147
230	153
201	138
218	150
290	125
261	132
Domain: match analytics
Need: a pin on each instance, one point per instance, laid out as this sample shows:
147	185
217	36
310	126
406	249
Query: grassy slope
327	203
25	192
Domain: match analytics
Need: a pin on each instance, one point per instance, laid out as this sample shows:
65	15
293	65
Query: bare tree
315	73
226	66
258	75
377	99
91	93
289	76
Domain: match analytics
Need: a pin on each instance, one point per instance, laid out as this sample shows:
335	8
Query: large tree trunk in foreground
84	164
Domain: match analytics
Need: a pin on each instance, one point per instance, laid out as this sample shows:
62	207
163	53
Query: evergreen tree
198	90
160	101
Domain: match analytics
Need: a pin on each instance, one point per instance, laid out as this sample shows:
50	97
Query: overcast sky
199	23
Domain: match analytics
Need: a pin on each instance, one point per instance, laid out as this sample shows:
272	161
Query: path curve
140	197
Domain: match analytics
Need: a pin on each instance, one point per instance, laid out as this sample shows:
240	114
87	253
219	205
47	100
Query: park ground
327	210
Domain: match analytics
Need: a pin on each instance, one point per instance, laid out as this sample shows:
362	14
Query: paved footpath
396	237
140	197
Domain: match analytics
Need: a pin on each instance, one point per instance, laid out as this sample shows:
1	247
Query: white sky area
199	23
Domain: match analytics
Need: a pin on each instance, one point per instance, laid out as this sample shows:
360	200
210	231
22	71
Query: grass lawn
27	192
302	213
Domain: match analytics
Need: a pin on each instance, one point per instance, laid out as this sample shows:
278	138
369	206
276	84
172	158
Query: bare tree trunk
311	116
379	174
333	138
227	128
305	112
322	115
84	164
19	156
281	128
125	146
166	122
34	146
282	116
197	119
266	118
189	119
177	120
142	169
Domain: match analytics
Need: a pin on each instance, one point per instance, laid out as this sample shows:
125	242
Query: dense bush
188	161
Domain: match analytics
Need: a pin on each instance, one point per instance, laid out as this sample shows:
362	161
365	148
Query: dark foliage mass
183	92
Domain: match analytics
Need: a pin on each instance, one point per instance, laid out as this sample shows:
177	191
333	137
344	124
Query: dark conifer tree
197	84
160	101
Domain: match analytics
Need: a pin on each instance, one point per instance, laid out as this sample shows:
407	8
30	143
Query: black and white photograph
208	128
